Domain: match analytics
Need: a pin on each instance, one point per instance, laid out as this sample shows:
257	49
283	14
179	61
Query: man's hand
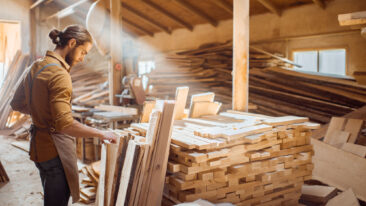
110	136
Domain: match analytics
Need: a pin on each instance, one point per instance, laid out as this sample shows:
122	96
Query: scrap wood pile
3	176
16	73
207	68
90	82
276	91
89	183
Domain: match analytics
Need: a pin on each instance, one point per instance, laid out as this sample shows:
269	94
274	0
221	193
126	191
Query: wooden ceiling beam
65	10
137	27
146	18
224	5
37	3
270	6
196	11
168	14
320	3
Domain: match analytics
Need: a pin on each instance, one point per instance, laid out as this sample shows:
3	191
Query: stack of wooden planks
276	91
3	176
133	170
89	183
15	75
242	158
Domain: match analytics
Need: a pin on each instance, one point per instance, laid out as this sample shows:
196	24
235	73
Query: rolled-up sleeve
60	90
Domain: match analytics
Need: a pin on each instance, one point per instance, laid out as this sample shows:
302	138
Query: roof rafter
137	27
66	10
320	3
224	5
147	19
168	14
196	11
270	6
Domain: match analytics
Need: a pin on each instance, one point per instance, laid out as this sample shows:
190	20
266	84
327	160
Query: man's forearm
76	129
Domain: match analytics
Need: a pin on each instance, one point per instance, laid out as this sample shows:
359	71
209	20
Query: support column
240	55
116	68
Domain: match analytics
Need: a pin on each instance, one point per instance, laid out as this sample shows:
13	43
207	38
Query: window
145	67
323	61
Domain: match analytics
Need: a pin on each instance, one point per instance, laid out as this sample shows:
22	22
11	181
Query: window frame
318	49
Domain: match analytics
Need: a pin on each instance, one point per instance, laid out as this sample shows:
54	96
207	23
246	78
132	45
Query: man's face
77	54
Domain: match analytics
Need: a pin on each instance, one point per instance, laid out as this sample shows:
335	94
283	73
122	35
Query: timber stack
276	90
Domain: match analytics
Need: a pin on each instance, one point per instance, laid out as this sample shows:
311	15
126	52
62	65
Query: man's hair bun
55	36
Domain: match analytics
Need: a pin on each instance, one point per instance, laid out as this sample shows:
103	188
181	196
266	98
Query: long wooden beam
320	3
146	18
241	55
116	67
186	5
355	18
224	5
139	28
35	4
168	14
72	6
270	6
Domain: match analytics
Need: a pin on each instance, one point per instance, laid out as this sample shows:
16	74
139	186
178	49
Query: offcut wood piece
317	193
336	123
339	168
204	108
181	100
346	198
111	108
353	126
359	150
89	192
23	145
146	111
355	18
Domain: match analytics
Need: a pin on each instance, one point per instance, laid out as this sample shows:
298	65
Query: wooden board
359	150
181	100
100	199
337	138
353	126
317	193
146	111
346	198
201	108
336	123
23	145
338	168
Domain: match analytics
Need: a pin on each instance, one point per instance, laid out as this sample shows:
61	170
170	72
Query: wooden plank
23	145
317	193
146	111
241	55
354	18
100	199
359	150
337	138
204	108
160	157
346	198
126	172
181	96
336	123
338	168
353	126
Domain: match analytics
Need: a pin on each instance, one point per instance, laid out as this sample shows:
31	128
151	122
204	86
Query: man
45	94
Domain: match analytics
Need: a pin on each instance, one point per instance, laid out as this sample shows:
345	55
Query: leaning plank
181	100
160	156
199	109
338	168
358	150
337	138
353	126
126	172
101	185
336	123
147	109
346	198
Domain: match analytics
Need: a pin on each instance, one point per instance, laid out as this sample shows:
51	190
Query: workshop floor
25	186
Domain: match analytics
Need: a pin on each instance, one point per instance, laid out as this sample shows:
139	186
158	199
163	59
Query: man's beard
70	57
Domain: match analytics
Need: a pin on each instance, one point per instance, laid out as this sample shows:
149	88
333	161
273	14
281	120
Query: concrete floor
25	186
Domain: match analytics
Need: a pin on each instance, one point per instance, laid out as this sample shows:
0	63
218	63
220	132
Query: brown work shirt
50	103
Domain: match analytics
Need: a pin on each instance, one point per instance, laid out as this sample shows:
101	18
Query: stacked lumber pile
276	91
3	176
89	81
207	68
89	183
16	73
132	171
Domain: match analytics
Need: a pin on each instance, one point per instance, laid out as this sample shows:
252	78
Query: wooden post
240	55
33	34
116	69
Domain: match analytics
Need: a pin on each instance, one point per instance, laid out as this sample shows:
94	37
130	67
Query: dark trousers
55	188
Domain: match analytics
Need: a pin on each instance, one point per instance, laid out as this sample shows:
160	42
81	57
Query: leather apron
65	146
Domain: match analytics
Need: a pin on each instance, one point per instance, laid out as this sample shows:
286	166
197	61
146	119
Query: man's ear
71	43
